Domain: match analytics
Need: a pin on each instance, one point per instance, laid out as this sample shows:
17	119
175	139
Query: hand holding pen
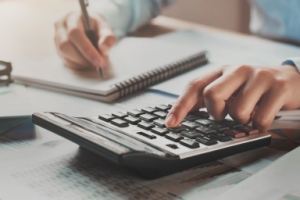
83	45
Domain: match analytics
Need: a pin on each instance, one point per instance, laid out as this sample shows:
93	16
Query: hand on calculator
244	92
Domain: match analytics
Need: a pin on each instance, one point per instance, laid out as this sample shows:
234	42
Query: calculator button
191	134
205	130
189	143
205	122
159	122
201	114
248	130
191	117
206	140
145	125
119	123
231	124
177	129
235	133
163	107
221	137
147	135
159	131
148	117
160	114
106	117
120	114
132	120
135	112
173	146
174	137
191	125
219	127
149	110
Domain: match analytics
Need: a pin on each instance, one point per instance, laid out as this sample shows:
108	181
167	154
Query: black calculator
138	139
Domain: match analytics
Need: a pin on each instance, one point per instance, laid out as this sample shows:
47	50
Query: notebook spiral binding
160	74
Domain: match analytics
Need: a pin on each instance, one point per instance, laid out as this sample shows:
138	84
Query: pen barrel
93	38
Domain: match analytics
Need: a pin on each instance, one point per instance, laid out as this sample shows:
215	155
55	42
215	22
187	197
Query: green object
9	123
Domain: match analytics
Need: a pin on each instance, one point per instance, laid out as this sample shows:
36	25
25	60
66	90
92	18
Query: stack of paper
287	119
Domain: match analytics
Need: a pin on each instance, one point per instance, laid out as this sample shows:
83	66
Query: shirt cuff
112	15
295	61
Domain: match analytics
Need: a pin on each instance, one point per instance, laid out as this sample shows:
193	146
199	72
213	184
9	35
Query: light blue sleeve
278	19
125	16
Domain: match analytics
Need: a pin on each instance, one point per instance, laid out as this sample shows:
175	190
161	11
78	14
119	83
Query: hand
73	45
244	92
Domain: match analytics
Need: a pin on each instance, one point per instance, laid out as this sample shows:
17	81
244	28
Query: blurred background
30	23
230	14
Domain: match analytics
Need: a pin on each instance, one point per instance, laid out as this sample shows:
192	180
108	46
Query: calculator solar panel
139	139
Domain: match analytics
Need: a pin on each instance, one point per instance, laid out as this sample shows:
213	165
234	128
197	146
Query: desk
37	164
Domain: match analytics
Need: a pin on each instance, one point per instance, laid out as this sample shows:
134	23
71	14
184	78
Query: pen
90	33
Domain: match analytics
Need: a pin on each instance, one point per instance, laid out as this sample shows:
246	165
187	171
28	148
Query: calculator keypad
196	131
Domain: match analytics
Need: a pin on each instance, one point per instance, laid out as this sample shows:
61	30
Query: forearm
125	16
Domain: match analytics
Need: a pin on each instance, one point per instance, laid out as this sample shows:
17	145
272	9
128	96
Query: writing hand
73	45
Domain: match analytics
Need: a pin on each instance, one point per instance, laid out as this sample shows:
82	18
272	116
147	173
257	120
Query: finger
67	50
73	65
270	104
59	36
217	92
191	96
107	39
79	39
248	97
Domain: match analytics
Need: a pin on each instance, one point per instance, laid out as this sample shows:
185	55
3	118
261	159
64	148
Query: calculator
138	139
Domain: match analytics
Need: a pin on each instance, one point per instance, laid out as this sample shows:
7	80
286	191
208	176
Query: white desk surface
27	34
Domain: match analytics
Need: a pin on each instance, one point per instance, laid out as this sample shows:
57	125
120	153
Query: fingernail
170	120
97	62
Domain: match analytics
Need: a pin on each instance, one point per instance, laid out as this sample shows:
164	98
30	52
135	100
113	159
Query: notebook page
280	180
129	58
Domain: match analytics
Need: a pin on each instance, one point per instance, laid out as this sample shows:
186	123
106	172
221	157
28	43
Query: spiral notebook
135	63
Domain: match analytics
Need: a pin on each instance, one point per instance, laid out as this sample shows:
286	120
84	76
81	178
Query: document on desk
60	170
23	137
280	180
225	48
